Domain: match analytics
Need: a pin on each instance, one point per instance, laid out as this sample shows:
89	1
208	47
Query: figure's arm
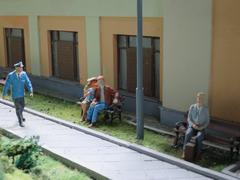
6	86
189	119
116	98
115	95
206	119
86	94
85	89
28	84
94	101
113	92
90	91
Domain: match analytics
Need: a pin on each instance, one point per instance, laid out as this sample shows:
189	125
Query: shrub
25	150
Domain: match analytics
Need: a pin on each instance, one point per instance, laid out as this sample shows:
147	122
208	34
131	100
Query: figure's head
92	82
200	98
100	81
19	66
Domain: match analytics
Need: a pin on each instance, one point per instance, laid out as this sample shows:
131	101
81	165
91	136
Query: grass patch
69	111
18	174
47	168
52	169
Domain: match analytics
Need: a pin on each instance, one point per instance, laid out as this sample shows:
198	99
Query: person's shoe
82	119
90	125
21	125
183	155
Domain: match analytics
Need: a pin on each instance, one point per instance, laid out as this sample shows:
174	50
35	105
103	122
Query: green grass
17	175
70	111
47	169
54	170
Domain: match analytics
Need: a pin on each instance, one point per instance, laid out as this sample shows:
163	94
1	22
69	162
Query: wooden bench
219	134
114	111
111	113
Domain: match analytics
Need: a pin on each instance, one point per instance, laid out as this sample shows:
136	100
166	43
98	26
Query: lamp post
139	89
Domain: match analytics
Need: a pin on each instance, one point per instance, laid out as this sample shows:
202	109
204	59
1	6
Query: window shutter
131	70
148	72
16	46
65	56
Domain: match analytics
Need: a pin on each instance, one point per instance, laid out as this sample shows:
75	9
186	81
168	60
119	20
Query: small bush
25	150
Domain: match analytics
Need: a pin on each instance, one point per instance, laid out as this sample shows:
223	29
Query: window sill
76	83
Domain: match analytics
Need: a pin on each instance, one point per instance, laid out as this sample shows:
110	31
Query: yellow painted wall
76	24
187	51
225	82
14	22
112	26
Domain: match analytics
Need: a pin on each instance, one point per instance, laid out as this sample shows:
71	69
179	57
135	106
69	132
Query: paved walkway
103	157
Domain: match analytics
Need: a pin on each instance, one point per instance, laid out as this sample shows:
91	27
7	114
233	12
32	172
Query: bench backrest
223	129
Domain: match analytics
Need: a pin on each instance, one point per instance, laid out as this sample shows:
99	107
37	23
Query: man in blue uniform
16	81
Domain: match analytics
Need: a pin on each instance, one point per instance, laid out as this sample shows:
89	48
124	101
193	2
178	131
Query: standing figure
88	96
198	120
16	82
103	98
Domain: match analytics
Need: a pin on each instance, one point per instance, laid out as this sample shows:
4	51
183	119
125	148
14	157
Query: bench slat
225	147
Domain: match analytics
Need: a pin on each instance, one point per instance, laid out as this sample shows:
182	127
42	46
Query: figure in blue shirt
198	120
89	91
16	82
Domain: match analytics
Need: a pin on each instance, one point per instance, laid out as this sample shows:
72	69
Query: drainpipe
139	89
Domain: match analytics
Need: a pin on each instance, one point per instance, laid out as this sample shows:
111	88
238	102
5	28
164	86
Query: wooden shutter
148	78
131	70
15	50
148	73
65	56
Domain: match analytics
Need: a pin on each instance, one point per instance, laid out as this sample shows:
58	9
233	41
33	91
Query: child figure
89	91
89	94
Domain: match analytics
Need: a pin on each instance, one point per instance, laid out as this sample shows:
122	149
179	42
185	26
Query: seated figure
104	96
180	129
198	120
88	96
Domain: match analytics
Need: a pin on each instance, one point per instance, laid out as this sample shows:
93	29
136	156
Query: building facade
188	46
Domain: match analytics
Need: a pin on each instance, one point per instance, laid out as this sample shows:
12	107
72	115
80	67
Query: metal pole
139	89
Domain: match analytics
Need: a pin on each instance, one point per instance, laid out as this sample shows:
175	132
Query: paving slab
103	157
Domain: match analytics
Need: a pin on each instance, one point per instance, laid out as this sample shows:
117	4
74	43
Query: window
127	64
64	48
14	46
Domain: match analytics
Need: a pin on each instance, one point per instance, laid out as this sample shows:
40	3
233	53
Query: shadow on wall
169	117
62	89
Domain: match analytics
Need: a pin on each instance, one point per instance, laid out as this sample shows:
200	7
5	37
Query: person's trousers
94	110
19	106
199	138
